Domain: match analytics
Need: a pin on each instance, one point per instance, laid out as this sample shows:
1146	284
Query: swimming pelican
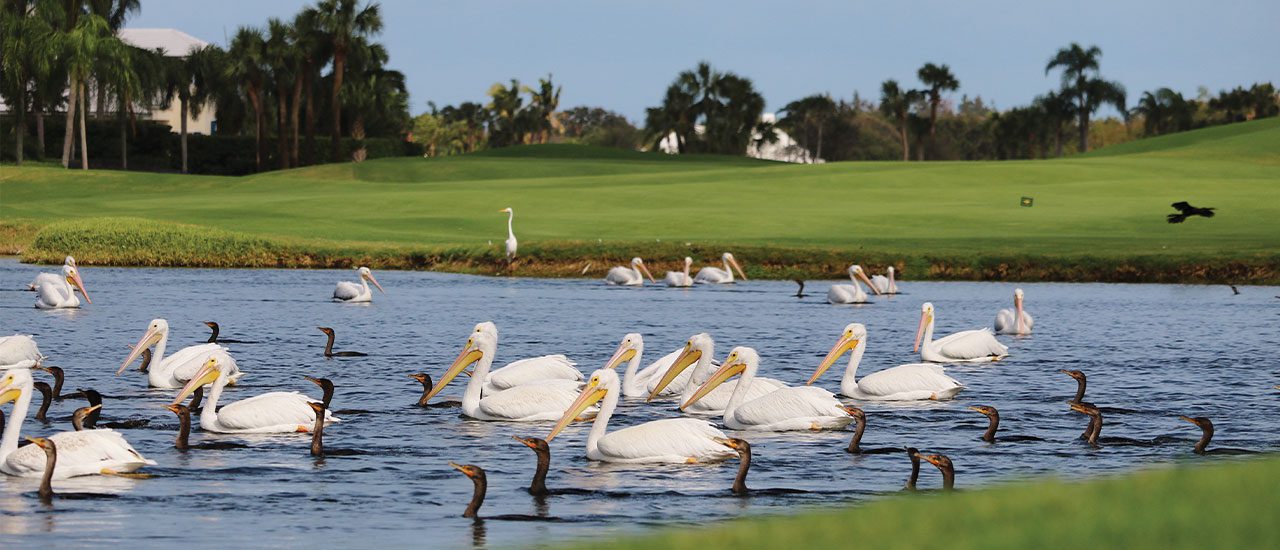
54	292
783	409
350	292
528	370
699	351
911	382
68	261
83	453
543	400
631	350
681	278
669	441
19	350
175	370
884	285
715	275
1014	321
272	412
852	293
629	276
511	235
970	346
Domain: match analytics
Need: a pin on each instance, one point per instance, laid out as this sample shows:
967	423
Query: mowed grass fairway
1097	212
1203	506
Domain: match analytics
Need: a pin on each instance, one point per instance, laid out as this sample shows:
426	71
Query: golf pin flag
1027	201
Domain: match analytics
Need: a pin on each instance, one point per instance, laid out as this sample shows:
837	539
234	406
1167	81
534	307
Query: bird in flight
1185	210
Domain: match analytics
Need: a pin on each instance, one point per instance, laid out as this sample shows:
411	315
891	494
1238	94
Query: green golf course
1095	217
1204	506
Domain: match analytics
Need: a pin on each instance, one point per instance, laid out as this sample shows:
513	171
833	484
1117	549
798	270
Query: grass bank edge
139	242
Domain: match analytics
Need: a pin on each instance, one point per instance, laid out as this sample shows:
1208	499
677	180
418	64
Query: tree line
284	82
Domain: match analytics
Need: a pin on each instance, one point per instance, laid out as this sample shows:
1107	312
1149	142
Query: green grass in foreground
1099	214
1231	505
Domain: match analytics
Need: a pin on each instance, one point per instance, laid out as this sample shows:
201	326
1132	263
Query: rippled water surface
1153	351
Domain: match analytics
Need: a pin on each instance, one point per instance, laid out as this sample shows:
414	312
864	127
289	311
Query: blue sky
622	54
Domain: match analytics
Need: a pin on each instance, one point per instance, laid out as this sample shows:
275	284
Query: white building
785	149
175	43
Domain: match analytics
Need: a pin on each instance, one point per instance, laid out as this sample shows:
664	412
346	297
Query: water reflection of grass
1203	506
1096	217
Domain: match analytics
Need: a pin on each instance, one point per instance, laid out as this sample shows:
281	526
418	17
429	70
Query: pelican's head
596	388
73	278
477	346
698	345
210	371
741	360
13	383
632	346
1017	298
986	411
487	327
507	210
856	272
688	261
728	258
890	270
637	263
926	319
368	275
156	331
854	334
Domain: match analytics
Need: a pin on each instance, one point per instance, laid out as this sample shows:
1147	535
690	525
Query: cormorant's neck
744	464
46	395
1097	430
860	425
327	397
1080	385
57	383
317	435
196	397
184	431
1203	444
46	482
426	391
328	344
915	473
477	498
213	338
948	478
539	485
990	435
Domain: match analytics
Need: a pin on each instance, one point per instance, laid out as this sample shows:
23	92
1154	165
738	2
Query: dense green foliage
1202	506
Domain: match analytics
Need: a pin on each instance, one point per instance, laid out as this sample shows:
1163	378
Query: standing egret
57	292
681	278
884	285
783	409
511	235
629	276
350	292
715	275
666	441
852	293
970	346
1014	321
911	382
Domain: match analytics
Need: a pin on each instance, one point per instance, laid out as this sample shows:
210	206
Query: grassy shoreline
132	242
1223	505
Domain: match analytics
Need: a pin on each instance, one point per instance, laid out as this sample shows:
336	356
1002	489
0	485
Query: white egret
511	235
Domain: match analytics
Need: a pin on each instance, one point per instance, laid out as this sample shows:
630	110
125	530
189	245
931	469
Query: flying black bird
1185	211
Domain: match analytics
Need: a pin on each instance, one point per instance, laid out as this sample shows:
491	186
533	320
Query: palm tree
1057	110
1082	82
193	79
313	52
735	118
806	119
246	69
81	49
675	117
937	78
27	55
115	12
1164	111
895	104
283	71
372	90
342	21
544	101
506	105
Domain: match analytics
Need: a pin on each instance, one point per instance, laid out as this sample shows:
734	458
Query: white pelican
511	235
667	441
629	276
544	400
88	452
1014	321
640	384
970	346
68	261
347	291
681	278
911	382
19	351
851	294
175	370
884	285
715	275
528	370
700	349
783	409
269	413
56	292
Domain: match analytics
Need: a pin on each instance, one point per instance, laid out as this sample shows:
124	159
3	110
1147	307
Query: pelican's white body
54	292
850	293
173	371
680	278
782	409
970	346
1007	319
716	275
528	370
883	284
626	276
87	452
19	351
273	412
534	401
910	382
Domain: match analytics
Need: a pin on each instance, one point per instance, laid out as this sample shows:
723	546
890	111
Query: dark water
1158	351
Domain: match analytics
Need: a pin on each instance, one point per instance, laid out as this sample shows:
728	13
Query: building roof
174	42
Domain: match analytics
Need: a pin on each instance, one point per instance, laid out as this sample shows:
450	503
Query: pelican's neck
727	268
600	426
13	429
629	383
687	266
511	216
849	382
893	286
740	391
475	387
364	284
209	412
159	374
857	287
928	334
636	269
701	372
